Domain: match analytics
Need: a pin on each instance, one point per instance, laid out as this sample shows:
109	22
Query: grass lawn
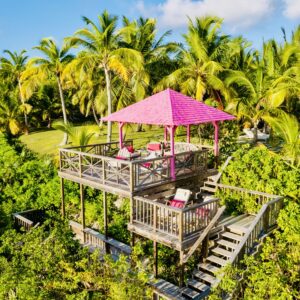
47	141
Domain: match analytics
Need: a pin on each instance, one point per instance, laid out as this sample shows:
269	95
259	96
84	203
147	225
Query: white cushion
183	195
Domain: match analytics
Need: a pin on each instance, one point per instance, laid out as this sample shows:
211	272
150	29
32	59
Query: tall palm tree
52	63
13	67
79	136
102	49
287	127
89	89
201	63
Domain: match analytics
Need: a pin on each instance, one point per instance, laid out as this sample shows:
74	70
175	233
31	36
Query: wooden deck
174	227
96	166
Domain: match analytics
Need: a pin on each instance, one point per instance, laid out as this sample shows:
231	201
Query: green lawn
47	141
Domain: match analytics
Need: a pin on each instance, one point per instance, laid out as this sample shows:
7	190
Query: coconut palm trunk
109	104
63	106
23	102
95	115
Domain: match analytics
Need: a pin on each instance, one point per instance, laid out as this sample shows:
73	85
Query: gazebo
170	109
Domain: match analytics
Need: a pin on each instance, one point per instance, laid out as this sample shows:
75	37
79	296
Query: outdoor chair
180	199
260	135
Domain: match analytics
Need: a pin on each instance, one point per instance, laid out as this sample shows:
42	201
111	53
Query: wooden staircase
242	236
204	277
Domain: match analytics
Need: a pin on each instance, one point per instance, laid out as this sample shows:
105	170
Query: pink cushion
177	203
147	165
121	157
130	149
202	212
153	147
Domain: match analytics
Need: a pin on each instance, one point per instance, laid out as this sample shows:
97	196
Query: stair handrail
259	216
262	213
203	234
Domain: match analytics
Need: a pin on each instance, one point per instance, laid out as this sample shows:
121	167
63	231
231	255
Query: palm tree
287	127
260	90
79	137
9	115
201	64
13	67
89	88
52	63
102	50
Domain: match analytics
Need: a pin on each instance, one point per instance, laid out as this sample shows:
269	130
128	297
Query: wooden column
62	192
204	248
181	269
188	133
105	220
155	267
121	134
82	209
172	130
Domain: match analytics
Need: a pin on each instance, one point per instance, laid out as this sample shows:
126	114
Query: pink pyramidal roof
169	108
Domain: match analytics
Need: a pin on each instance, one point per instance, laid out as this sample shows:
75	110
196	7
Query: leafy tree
12	68
103	51
200	64
52	63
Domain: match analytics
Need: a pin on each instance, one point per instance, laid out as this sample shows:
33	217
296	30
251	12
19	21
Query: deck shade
170	109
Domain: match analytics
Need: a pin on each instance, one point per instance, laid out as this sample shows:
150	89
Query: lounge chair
260	135
181	198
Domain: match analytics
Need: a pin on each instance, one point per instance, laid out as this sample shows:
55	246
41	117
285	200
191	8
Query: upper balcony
100	167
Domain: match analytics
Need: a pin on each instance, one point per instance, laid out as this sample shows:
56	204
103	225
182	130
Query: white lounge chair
260	135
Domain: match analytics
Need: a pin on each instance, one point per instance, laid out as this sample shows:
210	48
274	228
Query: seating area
249	134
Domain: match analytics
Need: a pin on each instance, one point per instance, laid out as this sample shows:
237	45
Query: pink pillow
153	147
121	157
177	203
130	149
202	212
147	165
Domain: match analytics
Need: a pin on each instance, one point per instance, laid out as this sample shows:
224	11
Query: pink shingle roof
169	108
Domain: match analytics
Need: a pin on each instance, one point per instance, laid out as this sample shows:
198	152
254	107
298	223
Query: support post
188	133
172	130
204	248
105	220
216	145
165	136
121	135
181	269
82	209
62	192
155	268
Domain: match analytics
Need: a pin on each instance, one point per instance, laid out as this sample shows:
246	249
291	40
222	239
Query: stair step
190	293
208	267
204	276
197	285
237	229
222	252
208	189
217	260
232	236
210	184
227	244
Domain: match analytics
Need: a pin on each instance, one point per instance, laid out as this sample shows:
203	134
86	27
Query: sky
24	23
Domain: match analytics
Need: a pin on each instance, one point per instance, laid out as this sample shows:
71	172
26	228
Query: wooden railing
28	218
259	198
131	175
264	221
191	162
104	149
175	222
98	240
21	221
